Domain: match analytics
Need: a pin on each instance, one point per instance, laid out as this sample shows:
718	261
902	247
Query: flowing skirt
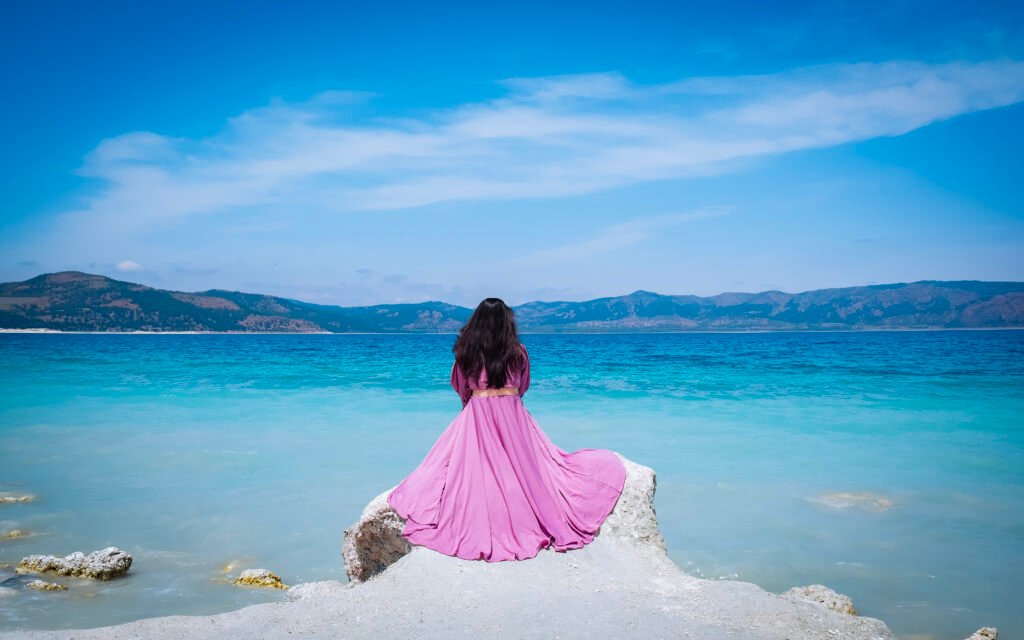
494	487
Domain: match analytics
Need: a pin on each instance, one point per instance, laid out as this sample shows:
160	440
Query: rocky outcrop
633	520
820	594
260	578
985	633
626	563
375	542
102	565
42	585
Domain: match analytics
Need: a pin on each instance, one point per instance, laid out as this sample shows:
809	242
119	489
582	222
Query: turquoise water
195	451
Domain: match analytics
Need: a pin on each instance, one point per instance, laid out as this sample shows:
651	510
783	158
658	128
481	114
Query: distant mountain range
75	301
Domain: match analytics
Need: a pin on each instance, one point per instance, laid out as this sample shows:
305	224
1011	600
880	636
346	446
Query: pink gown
494	487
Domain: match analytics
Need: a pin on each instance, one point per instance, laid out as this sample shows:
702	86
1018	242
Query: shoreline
622	584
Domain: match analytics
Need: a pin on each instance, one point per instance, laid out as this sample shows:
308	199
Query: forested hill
75	301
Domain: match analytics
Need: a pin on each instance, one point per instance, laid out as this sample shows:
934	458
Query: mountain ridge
78	301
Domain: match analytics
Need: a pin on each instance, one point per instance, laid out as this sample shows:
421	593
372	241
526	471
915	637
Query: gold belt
504	391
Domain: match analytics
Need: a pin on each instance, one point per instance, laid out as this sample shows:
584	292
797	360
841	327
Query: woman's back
517	375
494	486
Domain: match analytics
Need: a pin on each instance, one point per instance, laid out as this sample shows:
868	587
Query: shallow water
195	451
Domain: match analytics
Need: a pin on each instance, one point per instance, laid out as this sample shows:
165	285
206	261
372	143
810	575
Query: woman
494	487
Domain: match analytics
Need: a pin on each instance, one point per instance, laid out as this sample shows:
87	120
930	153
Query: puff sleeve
524	378
460	384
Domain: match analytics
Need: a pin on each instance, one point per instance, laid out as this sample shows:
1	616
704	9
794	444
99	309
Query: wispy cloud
547	137
616	236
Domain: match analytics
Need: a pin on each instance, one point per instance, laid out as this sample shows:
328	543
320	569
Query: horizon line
609	297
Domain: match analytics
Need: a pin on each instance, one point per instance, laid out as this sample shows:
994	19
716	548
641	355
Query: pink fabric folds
494	487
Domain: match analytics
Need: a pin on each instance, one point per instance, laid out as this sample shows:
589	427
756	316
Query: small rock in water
985	633
820	594
260	578
9	498
15	533
854	499
103	564
42	585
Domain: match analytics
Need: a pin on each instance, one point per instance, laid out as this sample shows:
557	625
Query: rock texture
824	596
375	542
102	565
985	633
42	585
260	578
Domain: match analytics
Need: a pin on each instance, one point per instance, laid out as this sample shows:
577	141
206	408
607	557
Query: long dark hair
489	339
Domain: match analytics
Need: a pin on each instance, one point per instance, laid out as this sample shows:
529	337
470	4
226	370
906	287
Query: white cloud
128	266
548	137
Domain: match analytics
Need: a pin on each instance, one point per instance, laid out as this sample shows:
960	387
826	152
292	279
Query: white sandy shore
621	585
605	590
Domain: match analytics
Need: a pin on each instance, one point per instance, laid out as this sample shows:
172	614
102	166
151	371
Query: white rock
9	498
42	585
985	633
103	564
633	519
820	594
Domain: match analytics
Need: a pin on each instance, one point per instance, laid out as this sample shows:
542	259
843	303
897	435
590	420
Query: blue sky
389	152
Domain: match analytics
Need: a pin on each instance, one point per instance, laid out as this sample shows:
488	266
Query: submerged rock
42	585
260	578
820	594
15	533
10	498
102	565
985	633
375	542
854	500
